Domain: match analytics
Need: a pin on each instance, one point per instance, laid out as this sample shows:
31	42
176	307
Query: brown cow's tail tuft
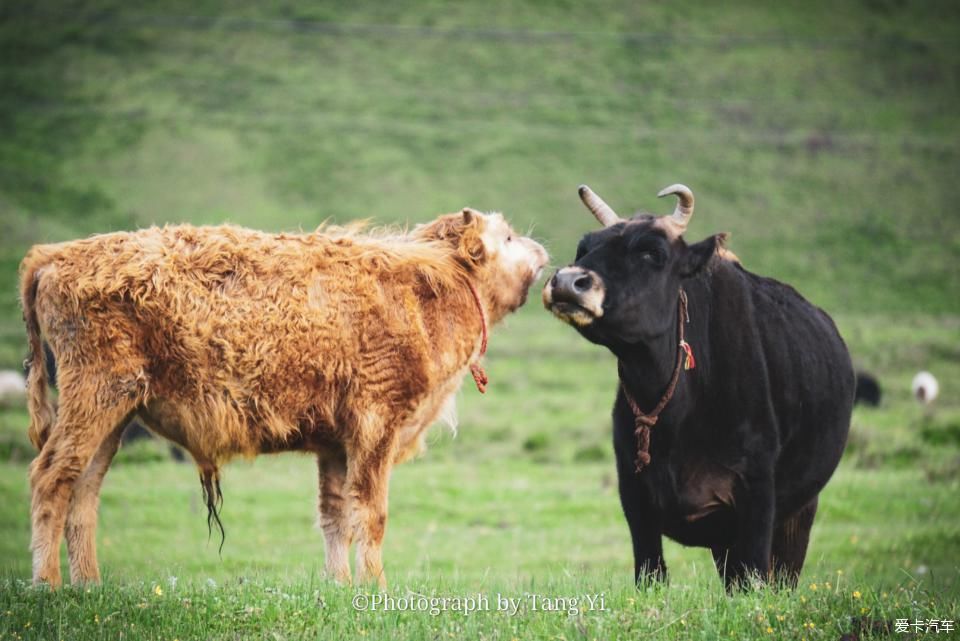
213	497
38	403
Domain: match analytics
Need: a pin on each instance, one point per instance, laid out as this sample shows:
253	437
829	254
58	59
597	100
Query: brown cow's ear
471	243
471	216
698	255
462	232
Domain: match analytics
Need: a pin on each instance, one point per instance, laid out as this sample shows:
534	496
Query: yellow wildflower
157	590
856	594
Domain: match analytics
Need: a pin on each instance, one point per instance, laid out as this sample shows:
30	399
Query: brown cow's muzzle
575	296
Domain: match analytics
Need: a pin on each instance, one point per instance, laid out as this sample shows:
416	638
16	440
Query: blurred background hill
823	135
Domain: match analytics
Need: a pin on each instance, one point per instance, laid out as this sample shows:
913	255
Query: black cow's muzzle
574	295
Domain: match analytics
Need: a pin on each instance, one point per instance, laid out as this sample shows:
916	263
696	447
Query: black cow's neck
646	367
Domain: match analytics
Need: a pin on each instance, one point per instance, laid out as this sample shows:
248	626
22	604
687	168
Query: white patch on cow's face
514	252
510	266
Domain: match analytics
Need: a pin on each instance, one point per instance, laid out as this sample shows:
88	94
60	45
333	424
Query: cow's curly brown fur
231	342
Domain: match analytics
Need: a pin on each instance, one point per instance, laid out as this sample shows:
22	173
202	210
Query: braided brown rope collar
643	421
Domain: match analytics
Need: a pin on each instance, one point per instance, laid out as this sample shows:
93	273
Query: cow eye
652	257
509	237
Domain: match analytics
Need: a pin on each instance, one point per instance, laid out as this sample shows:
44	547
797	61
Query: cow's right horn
603	212
684	209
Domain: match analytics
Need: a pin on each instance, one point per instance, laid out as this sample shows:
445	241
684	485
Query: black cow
735	392
868	390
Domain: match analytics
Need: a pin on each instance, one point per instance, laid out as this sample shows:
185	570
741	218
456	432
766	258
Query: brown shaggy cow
232	342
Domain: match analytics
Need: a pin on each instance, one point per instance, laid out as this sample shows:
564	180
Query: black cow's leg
645	529
790	540
648	560
750	554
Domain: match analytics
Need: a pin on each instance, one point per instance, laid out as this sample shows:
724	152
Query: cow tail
38	402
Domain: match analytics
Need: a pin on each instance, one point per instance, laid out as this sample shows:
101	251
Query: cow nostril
583	283
553	281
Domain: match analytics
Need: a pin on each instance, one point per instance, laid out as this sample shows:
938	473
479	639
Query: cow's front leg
368	480
644	523
749	557
334	514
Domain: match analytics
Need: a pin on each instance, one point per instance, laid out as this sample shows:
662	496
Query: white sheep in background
925	387
13	388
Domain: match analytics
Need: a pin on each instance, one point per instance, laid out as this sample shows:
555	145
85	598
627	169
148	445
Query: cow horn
603	212
684	209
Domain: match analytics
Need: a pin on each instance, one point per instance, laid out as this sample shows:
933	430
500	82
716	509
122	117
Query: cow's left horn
603	212
684	209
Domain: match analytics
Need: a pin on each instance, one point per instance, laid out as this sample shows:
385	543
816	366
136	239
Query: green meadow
822	135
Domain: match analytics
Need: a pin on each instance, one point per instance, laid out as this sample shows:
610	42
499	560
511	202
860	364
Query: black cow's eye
652	257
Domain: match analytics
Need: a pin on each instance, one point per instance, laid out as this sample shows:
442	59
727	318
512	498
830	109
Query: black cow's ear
699	254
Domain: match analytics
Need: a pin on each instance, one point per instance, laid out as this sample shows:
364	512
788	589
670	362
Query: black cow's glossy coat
752	433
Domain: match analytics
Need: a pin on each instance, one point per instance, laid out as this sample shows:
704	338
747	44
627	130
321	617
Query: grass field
522	501
823	135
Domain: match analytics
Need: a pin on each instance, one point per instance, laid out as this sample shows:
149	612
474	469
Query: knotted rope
643	421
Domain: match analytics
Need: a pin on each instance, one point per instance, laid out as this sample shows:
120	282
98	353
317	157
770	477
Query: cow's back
239	327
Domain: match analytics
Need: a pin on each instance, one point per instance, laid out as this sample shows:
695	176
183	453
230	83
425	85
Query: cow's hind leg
790	539
368	479
334	514
81	527
83	422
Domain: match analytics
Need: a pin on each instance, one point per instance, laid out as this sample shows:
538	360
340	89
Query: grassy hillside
823	135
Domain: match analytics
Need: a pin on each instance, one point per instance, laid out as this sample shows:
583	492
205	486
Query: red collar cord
476	369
